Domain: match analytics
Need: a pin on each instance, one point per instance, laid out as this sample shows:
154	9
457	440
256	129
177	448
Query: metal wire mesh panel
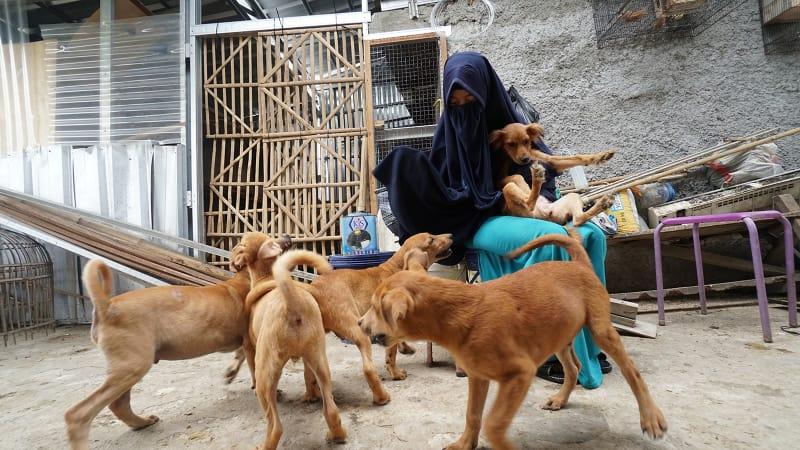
780	27
625	20
405	83
26	287
286	134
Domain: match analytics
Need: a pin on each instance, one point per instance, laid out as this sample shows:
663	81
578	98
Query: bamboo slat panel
286	122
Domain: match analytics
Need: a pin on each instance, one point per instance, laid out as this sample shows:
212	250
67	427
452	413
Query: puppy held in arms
504	329
516	144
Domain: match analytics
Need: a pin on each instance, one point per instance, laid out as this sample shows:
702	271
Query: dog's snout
526	159
360	321
286	242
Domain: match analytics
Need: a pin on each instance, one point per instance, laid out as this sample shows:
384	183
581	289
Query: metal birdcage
26	287
780	25
618	21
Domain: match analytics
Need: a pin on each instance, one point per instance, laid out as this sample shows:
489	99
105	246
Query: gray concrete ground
718	385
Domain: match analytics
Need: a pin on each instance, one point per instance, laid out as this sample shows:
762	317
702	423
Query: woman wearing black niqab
450	189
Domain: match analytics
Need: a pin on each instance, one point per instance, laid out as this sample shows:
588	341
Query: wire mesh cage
405	83
780	27
26	287
620	21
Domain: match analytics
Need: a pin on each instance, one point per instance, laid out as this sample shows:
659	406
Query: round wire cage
26	287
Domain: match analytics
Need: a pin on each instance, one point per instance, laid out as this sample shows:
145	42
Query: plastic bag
523	107
759	162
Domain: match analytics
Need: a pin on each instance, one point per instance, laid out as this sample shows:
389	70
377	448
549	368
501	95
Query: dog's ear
416	260
496	139
269	249
395	305
535	131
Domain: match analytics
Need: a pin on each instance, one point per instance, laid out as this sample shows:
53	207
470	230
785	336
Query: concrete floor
717	384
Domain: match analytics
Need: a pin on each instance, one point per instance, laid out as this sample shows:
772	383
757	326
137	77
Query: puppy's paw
397	374
407	349
311	397
150	420
653	423
604	156
381	399
230	375
537	172
462	444
606	202
554	403
338	437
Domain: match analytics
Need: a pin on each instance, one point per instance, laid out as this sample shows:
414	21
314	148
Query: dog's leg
562	163
121	407
579	217
476	400
391	364
250	355
318	362
267	377
235	365
312	388
538	175
120	379
516	194
572	366
510	396
652	419
354	334
407	349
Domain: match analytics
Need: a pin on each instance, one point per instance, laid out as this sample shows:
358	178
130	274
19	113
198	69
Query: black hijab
450	189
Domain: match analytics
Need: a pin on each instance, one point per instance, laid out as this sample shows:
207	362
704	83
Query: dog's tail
282	269
97	280
571	243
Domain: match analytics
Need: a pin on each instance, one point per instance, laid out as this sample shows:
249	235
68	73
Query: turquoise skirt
499	235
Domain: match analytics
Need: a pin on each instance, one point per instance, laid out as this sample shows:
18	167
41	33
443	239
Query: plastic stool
755	250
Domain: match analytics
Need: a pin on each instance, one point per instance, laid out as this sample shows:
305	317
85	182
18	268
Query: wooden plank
624	308
642	329
727	262
786	204
620	320
693	290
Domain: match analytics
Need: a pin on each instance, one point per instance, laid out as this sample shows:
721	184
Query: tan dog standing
344	296
517	143
138	328
504	329
285	323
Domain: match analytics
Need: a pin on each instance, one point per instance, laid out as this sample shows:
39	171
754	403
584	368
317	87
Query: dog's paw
339	437
311	397
537	172
554	403
653	423
381	399
606	202
407	349
604	156
150	420
462	444
398	374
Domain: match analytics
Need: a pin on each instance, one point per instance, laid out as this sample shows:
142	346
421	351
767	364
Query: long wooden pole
678	168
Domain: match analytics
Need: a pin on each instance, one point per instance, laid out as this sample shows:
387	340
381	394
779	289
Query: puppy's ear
395	305
496	139
269	249
416	260
535	131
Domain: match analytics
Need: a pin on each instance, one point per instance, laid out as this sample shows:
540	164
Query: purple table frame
755	249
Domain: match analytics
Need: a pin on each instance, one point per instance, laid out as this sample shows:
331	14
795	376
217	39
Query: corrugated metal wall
144	90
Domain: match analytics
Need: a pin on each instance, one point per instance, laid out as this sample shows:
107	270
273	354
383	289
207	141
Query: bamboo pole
681	167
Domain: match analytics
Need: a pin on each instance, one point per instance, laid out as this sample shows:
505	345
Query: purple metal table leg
698	262
659	275
791	290
761	289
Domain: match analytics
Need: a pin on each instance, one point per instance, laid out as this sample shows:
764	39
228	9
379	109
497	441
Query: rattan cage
26	287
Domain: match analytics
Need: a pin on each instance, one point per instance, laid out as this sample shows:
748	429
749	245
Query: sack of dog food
623	212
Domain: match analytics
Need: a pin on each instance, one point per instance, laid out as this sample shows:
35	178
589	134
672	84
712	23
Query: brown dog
504	329
285	323
517	143
344	296
137	329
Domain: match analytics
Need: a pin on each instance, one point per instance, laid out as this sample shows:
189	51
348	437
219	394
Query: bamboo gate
287	126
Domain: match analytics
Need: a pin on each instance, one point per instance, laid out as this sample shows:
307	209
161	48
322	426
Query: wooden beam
785	203
727	262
